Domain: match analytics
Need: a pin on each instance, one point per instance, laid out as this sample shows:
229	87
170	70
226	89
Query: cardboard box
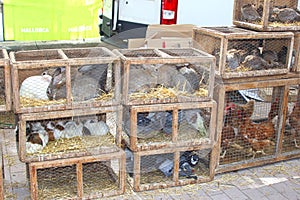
165	36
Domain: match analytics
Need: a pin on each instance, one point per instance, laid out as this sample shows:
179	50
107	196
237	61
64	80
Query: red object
169	12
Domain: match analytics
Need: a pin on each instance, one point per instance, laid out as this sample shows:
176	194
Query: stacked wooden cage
243	53
251	122
68	109
168	116
267	15
6	120
256	87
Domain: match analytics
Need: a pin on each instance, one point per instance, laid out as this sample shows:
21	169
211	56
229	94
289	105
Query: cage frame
63	60
243	34
1	174
162	58
296	66
5	62
264	26
23	118
132	143
224	86
79	161
135	180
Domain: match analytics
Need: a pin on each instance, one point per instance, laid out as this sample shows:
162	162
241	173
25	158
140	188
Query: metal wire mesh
182	52
158	127
86	53
250	124
291	139
244	55
99	178
69	136
281	13
139	53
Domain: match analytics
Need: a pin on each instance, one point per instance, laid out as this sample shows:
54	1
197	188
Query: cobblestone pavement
278	181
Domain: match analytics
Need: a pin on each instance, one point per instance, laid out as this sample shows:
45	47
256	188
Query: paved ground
279	181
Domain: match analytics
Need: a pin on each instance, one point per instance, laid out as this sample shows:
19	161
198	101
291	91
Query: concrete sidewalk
279	181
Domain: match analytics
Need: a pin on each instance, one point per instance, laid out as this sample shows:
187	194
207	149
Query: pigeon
249	13
233	58
270	56
255	63
286	15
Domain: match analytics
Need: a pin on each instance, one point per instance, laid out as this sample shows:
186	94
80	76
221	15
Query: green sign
51	19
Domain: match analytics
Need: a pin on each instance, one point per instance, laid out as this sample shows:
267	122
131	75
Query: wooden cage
156	169
88	177
157	126
69	133
267	15
244	53
60	79
250	121
152	76
5	82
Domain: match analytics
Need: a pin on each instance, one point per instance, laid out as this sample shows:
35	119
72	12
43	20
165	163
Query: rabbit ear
58	76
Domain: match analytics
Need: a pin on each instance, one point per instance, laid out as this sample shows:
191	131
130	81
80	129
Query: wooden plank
1	174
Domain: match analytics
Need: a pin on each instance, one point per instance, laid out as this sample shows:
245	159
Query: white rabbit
35	87
96	128
72	129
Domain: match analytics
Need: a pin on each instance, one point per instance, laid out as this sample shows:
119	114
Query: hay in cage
28	102
156	176
2	100
77	144
279	24
105	96
163	92
61	182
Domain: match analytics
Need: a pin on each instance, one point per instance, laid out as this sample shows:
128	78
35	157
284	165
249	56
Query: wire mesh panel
95	77
291	137
250	121
46	80
167	125
148	170
70	133
267	15
166	75
5	82
242	53
85	178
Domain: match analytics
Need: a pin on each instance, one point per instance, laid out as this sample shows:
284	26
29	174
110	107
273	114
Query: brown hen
294	119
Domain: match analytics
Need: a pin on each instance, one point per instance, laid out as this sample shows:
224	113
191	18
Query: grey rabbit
87	82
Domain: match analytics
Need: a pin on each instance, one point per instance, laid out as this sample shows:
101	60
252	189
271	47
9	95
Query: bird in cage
249	13
285	15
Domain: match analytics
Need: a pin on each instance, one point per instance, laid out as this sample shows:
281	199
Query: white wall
205	12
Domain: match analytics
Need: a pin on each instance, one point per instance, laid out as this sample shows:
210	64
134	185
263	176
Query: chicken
260	131
274	109
294	120
239	111
249	13
258	146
